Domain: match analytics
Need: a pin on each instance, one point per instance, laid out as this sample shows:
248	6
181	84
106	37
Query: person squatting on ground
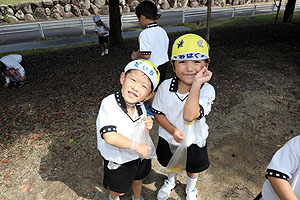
181	103
102	30
283	174
12	67
119	116
153	40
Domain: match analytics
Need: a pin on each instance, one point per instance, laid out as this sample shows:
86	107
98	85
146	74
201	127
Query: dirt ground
47	128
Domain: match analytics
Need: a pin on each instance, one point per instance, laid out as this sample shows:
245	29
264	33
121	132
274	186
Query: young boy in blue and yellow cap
118	121
181	103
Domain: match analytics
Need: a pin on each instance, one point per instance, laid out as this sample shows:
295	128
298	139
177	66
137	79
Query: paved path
73	40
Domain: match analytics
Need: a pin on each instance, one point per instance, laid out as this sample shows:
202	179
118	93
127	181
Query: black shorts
197	158
103	39
162	70
120	180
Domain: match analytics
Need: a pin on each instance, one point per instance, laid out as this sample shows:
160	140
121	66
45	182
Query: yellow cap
147	67
190	47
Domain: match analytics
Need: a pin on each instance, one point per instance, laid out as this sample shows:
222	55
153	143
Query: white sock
112	198
172	178
191	183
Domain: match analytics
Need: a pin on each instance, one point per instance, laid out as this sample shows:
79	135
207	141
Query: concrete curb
74	40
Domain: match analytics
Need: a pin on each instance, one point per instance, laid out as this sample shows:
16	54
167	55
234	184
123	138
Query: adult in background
12	67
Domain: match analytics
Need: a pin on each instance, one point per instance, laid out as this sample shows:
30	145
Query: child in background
118	119
181	103
153	40
283	174
11	67
102	30
158	15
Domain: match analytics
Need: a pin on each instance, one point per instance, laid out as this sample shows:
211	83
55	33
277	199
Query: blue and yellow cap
190	47
147	67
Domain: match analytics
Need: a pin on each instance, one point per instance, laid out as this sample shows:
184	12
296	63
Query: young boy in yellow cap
181	104
118	121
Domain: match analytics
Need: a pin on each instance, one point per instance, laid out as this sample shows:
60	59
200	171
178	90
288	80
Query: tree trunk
115	33
208	19
289	11
278	10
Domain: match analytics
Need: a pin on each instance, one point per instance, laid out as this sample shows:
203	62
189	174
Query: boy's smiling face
136	86
186	70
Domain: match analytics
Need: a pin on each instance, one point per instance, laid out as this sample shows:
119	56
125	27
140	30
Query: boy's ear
122	78
143	17
173	64
150	96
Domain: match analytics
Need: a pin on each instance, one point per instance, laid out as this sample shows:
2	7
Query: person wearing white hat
102	30
118	122
12	67
158	14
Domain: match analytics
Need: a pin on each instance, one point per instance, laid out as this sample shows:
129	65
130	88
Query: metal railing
233	11
84	23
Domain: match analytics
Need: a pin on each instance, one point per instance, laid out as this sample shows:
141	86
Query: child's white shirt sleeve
287	158
104	120
145	46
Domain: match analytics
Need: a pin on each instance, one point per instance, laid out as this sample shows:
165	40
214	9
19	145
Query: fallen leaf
53	150
44	169
6	176
4	161
37	138
26	188
90	189
37	146
67	147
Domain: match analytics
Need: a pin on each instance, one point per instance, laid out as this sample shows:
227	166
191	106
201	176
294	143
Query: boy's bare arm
166	124
137	54
192	108
99	34
120	141
282	188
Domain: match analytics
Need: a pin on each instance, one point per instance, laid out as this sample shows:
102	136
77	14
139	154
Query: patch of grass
6	2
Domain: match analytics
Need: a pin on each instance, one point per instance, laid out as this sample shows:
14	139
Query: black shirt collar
151	25
174	85
121	102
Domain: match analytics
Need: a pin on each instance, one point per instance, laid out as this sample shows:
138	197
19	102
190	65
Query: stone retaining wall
59	9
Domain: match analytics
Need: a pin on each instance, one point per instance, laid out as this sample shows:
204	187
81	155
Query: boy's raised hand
203	76
178	136
148	123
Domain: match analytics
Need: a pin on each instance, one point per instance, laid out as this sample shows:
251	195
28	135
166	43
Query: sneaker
191	194
102	54
165	190
142	198
149	112
106	51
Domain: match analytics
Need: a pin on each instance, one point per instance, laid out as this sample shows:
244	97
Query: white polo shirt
285	164
169	102
102	30
113	116
154	41
12	61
